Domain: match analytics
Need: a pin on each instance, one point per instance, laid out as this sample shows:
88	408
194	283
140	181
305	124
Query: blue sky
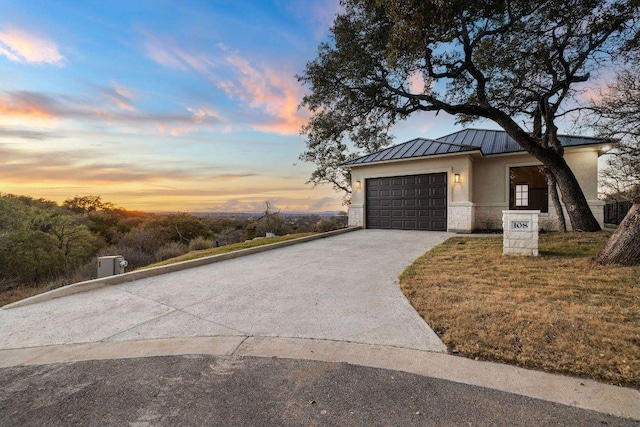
164	105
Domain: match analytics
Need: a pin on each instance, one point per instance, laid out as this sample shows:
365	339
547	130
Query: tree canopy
617	113
517	63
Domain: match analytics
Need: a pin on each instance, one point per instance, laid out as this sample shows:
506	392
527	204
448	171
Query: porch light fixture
358	185
456	178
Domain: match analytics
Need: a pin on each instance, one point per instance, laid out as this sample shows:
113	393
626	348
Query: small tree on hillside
271	222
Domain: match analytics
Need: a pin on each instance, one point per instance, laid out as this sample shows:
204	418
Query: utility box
520	232
111	265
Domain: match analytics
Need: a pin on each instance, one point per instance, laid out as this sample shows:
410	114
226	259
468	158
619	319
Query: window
529	190
522	195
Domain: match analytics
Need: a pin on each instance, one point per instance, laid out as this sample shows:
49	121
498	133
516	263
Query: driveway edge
156	271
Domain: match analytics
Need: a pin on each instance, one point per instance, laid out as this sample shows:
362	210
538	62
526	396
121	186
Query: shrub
200	243
325	225
144	240
170	250
228	237
252	231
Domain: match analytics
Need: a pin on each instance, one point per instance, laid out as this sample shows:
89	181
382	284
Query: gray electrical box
111	265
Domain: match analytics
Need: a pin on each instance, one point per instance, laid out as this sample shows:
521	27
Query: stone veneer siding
490	217
356	216
460	219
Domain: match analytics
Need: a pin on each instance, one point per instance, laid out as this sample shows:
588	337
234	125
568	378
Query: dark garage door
413	202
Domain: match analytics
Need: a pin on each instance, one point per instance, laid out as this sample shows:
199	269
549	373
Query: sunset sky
164	105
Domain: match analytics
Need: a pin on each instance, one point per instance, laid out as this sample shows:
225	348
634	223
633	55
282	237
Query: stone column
520	232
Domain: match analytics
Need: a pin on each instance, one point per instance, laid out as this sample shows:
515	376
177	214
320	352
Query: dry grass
16	294
559	312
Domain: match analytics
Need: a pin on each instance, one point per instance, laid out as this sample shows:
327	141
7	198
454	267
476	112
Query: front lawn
559	312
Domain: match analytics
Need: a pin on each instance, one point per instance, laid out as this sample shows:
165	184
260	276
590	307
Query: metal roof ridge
458	145
505	132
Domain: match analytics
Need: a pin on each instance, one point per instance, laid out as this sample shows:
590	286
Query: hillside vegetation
44	245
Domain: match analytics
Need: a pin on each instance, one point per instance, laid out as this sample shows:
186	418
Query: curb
568	391
164	269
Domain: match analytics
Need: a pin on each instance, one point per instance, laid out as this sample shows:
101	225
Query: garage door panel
440	214
384	223
411	225
407	202
437	191
397	224
438	178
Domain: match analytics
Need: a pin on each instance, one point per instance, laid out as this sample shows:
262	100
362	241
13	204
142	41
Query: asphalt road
247	391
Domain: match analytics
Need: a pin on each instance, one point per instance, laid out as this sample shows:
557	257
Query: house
462	182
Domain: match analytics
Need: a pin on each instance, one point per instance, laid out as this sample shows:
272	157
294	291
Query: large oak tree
517	63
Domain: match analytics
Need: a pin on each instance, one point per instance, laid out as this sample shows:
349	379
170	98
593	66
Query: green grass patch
228	248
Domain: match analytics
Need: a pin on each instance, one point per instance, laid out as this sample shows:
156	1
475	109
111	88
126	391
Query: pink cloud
417	83
120	96
20	46
28	108
168	53
275	93
23	113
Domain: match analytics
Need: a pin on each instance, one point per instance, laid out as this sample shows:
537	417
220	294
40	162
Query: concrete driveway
341	288
322	306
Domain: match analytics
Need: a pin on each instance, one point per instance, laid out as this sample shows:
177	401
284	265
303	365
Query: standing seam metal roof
488	142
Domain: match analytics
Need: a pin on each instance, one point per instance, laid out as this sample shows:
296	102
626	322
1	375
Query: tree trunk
623	247
555	198
578	209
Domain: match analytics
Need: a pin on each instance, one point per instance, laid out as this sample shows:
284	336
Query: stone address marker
520	233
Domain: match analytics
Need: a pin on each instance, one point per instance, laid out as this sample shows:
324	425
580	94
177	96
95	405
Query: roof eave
478	154
408	159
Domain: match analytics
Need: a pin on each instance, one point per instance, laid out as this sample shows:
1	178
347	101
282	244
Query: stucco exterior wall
458	194
491	186
477	201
